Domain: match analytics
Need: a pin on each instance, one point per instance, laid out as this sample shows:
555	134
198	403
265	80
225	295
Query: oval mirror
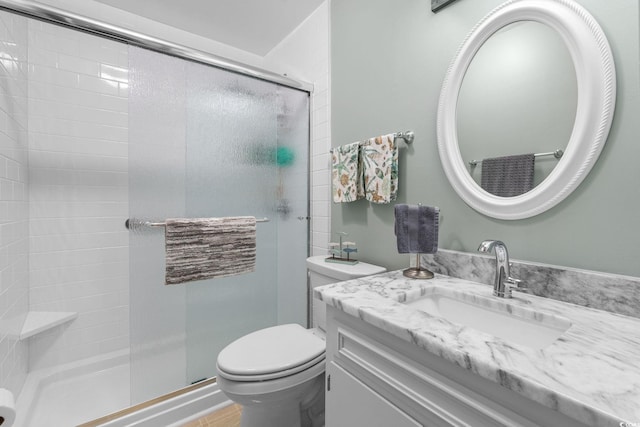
582	94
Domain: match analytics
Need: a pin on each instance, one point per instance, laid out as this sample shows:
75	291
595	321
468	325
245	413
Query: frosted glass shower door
210	143
157	170
243	136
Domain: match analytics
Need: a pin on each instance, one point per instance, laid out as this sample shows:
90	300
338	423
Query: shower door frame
57	16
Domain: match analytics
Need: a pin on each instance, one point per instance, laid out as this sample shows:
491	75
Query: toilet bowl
277	374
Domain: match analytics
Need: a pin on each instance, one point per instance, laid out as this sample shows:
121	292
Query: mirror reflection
518	97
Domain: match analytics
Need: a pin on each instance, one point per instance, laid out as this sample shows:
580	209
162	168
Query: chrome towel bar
134	224
557	154
408	137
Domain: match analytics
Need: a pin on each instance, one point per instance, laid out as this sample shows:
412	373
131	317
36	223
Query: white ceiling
255	26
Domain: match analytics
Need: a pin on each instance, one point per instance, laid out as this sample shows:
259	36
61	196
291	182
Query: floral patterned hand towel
380	169
346	173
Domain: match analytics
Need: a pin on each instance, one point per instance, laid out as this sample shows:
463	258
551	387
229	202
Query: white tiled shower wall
78	198
63	194
14	194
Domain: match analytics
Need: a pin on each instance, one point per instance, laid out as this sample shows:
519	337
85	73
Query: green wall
388	61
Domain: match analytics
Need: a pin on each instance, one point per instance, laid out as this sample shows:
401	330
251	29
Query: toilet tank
322	273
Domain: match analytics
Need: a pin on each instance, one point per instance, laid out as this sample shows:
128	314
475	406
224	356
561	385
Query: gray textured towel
416	229
508	176
203	248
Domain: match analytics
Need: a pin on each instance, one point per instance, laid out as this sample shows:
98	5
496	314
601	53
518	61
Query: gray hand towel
204	248
416	229
509	175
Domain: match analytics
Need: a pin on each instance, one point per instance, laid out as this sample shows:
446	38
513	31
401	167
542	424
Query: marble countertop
591	373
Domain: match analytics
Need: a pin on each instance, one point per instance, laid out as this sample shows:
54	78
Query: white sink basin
509	322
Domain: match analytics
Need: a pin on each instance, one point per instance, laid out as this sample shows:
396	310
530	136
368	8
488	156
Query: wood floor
228	416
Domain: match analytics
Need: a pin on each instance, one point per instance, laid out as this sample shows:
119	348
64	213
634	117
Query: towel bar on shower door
134	224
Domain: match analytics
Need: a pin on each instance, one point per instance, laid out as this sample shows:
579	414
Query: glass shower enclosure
97	132
205	142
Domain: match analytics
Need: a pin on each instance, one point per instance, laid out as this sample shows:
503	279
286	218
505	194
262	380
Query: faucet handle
516	285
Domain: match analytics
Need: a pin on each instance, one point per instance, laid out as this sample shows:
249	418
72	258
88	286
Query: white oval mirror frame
595	75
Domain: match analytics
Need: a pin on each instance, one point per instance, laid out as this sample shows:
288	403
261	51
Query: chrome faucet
503	283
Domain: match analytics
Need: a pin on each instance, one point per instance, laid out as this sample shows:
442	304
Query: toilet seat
271	353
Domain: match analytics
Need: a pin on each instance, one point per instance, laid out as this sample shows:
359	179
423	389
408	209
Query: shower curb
177	411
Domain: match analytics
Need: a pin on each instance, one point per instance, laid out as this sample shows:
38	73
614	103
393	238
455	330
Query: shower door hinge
328	382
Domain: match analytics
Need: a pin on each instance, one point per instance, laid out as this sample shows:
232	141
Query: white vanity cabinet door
350	403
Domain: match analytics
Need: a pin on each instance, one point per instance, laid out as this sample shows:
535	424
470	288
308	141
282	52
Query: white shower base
82	391
75	393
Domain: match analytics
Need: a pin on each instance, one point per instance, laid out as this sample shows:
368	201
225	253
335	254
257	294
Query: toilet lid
271	351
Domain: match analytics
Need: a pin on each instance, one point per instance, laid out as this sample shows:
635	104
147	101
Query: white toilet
277	373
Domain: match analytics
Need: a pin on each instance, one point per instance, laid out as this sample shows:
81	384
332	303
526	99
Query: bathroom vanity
397	355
